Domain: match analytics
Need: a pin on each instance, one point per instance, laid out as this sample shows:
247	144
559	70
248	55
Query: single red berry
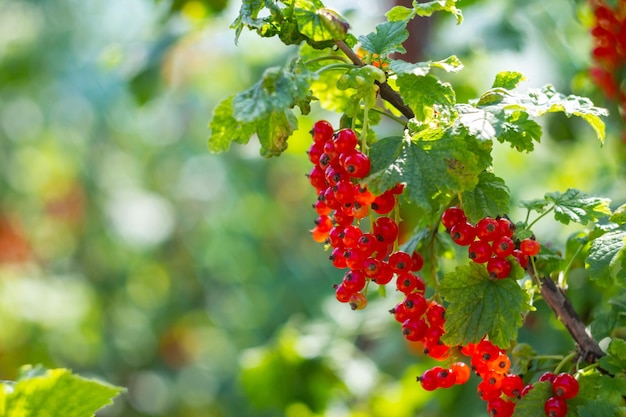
344	192
324	223
321	208
363	195
408	283
354	259
547	376
487	229
357	301
446	377
342	218
351	236
385	229
345	140
360	211
335	174
384	275
526	389
315	152
463	234
555	407
429	380
317	178
335	236
338	258
384	203
462	372
479	251
437	350
521	258
356	164
529	247
354	280
498	268
342	293
417	262
416	304
400	262
322	131
367	243
319	236
453	216
501	364
512	385
436	314
500	408
413	329
506	226
503	246
331	152
488	392
399	313
565	386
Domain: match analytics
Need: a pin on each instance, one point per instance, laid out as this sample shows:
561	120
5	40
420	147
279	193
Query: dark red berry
463	233
555	407
498	268
487	229
413	329
506	226
400	262
503	246
453	216
322	131
417	262
356	164
565	386
345	140
479	251
384	203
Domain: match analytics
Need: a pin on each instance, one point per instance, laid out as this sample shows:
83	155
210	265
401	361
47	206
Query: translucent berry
345	140
479	251
413	329
529	247
453	216
400	262
487	229
417	262
555	407
357	301
354	280
503	246
462	372
429	380
384	203
565	386
356	164
463	233
415	304
498	268
322	131
446	377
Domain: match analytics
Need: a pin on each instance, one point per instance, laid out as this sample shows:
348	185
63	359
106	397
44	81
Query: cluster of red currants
342	203
609	50
490	241
564	387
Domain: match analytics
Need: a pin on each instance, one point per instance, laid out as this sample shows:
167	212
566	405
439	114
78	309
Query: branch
561	305
386	92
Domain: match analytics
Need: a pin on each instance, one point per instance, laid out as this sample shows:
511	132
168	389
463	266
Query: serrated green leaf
508	80
538	204
619	215
387	39
519	131
478	122
532	404
605	259
401	67
319	23
425	93
248	16
480	306
598	409
430	7
578	207
612	389
55	393
384	152
398	13
225	129
489	197
615	360
274	131
433	170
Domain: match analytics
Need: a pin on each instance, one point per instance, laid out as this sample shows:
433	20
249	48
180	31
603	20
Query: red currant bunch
490	241
564	387
343	201
609	49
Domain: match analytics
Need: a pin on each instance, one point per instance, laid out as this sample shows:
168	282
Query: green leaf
425	93
398	13
508	79
387	39
226	129
578	207
619	215
432	170
248	16
480	306
319	23
538	205
519	131
430	7
598	409
531	404
612	389
488	198
615	360
401	67
479	123
55	393
606	257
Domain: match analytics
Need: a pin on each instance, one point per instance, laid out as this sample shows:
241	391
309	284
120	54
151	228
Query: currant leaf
319	23
226	129
598	409
425	94
491	195
619	215
39	391
615	360
430	7
387	39
508	80
606	260
401	67
480	306
576	206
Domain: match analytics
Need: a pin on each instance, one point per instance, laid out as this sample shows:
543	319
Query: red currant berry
335	174
344	192
360	211
463	234
384	275
415	304
487	229
500	408
521	258
315	152
479	251
363	195
343	219
547	376
400	262
565	386
446	377
351	236
384	203
399	313
367	243
321	208
322	131
335	236
358	301
506	226
526	389
498	268
319	236
512	385
385	229
345	140
500	364
488	392
438	350
462	372
356	164
408	283
354	259
429	380
453	216
555	407
342	293
436	314
417	262
503	246
413	329
354	280
317	178
529	247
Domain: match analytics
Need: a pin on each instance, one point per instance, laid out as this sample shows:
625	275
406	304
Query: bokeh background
131	254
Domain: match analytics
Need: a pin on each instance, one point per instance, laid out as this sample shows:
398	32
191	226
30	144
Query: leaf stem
569	265
538	217
344	66
327	58
564	361
389	115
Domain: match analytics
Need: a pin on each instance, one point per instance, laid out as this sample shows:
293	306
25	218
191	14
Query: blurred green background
131	254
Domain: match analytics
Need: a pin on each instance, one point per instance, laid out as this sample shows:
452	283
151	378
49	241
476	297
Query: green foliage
54	393
387	39
480	306
606	262
491	195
